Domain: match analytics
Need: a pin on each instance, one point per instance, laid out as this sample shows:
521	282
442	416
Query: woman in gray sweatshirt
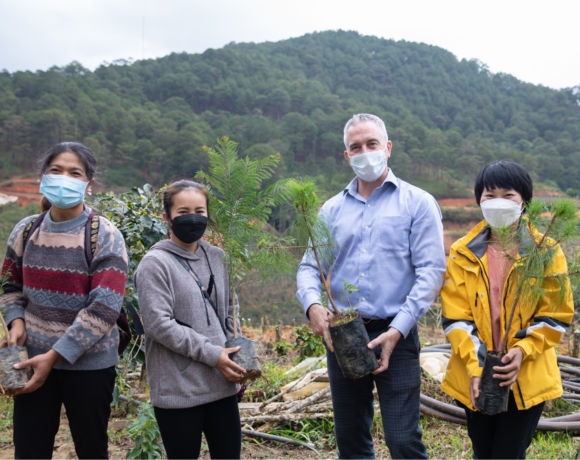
187	311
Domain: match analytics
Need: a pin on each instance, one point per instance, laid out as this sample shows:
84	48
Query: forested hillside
148	120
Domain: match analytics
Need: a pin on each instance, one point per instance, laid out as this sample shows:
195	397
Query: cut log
13	379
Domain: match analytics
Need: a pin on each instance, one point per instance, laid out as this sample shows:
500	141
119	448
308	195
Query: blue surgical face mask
62	191
369	166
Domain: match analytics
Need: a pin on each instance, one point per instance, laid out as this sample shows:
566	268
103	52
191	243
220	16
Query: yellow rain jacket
467	322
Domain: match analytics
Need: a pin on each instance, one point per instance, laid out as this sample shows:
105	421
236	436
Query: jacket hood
174	248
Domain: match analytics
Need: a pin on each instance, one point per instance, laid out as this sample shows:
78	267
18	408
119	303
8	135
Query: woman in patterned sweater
64	311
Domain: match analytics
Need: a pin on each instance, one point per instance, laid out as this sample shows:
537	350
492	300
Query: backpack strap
31	228
91	236
136	319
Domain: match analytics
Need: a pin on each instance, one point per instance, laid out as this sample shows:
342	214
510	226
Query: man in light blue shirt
389	240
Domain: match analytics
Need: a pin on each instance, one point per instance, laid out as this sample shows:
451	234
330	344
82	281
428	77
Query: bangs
504	175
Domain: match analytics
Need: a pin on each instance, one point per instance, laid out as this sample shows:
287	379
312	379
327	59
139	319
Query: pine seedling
313	230
534	274
239	214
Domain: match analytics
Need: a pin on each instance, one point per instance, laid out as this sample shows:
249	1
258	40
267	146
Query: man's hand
510	372
228	368
474	389
319	317
41	365
387	341
17	334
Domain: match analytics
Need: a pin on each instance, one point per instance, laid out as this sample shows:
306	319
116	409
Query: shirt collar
352	187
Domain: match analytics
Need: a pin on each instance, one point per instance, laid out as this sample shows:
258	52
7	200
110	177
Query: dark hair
507	175
81	151
177	187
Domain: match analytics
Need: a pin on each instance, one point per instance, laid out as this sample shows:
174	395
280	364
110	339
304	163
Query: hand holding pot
228	368
17	334
387	341
319	317
510	372
41	365
474	389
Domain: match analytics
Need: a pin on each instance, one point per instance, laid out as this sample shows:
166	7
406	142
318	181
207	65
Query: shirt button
364	250
362	274
366	227
368	205
362	300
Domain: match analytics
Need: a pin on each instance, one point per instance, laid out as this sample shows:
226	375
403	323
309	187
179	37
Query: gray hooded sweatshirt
180	359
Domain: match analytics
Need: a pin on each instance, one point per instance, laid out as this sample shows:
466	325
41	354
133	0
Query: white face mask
369	166
500	212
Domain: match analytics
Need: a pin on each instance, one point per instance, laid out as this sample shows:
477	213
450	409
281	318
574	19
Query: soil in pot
350	341
13	379
246	357
492	398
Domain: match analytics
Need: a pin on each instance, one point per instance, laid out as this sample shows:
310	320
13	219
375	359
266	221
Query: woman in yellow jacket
474	297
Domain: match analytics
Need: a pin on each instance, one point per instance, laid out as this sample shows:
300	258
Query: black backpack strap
91	236
136	319
31	228
211	278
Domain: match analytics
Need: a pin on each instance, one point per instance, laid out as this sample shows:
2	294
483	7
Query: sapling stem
324	281
508	326
234	308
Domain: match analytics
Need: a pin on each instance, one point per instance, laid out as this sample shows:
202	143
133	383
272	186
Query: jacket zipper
476	294
521	394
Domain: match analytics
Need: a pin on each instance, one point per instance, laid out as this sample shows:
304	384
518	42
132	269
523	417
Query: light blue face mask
62	191
369	166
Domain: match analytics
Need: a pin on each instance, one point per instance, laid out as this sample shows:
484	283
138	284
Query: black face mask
189	227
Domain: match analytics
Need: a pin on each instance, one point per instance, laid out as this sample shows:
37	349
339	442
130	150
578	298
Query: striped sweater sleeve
13	301
108	271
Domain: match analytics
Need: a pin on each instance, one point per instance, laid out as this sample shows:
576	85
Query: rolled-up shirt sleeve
428	260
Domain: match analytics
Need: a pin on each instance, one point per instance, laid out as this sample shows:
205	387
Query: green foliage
461	215
145	432
446	117
308	343
138	215
282	348
239	214
536	241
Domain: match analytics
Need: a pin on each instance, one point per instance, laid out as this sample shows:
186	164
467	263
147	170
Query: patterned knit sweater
67	306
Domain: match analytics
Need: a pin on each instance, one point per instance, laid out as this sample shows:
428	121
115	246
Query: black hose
425	410
443	407
568	360
134	401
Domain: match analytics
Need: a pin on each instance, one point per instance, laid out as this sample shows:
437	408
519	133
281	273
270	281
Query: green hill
148	120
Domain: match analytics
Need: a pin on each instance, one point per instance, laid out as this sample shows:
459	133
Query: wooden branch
308	401
319	407
286	391
286	417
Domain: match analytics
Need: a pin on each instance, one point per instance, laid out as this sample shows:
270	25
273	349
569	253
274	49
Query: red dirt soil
26	189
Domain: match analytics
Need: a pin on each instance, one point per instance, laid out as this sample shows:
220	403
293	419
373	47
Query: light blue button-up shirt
389	246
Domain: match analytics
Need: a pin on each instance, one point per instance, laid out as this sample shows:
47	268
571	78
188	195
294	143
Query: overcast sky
535	41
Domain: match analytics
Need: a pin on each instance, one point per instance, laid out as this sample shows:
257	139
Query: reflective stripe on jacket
536	329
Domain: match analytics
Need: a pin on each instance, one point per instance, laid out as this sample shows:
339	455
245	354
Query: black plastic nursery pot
350	342
13	379
246	357
492	398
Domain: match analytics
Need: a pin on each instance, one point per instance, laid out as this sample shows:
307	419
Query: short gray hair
360	117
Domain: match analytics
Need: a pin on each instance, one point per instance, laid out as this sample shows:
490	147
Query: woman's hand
228	368
41	365
17	334
474	389
509	373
